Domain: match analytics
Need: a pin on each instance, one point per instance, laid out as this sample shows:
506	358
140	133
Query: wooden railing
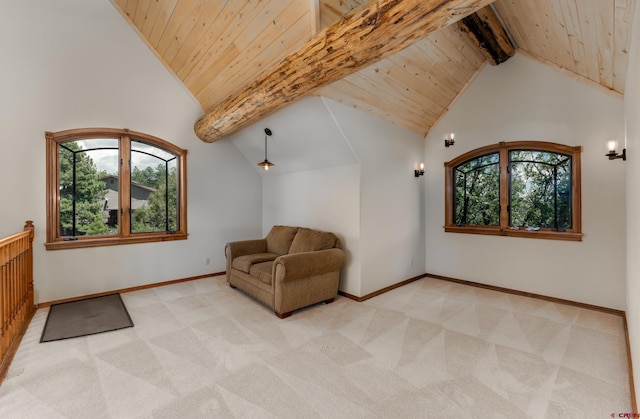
16	292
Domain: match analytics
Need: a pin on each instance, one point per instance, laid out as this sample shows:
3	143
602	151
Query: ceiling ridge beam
486	31
363	36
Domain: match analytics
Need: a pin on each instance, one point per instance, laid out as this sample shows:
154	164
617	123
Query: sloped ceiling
218	47
590	38
305	136
414	87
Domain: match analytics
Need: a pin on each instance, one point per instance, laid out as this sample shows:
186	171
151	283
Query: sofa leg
232	286
329	301
283	315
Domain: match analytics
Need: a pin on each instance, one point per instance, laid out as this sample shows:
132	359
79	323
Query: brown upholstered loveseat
293	267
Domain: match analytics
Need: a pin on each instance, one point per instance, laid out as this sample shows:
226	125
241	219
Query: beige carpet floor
430	349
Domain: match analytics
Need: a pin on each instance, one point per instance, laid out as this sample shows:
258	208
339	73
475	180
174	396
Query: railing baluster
16	291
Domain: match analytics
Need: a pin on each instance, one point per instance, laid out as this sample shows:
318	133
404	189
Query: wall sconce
266	164
419	172
613	154
448	140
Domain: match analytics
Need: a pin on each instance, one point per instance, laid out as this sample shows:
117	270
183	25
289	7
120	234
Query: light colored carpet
429	349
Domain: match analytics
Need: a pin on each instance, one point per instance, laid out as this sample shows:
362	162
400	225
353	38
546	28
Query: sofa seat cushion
279	239
262	271
307	240
243	263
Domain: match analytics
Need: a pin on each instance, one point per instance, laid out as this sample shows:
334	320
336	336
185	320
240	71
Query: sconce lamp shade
449	140
613	154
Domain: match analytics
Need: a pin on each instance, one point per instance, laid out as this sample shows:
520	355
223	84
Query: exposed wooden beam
363	36
487	33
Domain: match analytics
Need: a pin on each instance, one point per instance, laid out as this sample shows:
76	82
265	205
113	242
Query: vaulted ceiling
219	47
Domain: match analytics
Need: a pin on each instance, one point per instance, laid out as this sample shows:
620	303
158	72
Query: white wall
304	137
325	199
391	198
523	99
632	123
75	64
374	202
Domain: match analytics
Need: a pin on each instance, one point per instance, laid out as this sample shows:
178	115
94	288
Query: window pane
154	189
85	199
540	185
477	191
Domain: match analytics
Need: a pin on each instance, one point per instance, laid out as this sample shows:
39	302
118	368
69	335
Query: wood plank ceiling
217	47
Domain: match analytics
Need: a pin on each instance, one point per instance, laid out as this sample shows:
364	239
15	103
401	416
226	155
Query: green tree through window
110	186
526	188
540	189
81	193
160	210
477	193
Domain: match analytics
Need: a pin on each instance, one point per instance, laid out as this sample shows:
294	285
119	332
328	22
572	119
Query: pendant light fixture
266	164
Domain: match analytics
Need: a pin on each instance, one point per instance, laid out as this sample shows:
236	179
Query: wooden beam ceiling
364	36
414	87
219	47
486	31
587	38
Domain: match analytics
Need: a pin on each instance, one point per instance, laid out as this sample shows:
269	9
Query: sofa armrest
246	247
305	264
240	248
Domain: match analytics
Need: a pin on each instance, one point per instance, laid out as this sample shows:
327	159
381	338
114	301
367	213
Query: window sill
497	231
113	241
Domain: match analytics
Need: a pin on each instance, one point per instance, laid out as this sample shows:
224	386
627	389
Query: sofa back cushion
308	240
279	239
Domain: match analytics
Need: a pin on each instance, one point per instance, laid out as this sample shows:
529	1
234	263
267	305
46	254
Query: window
525	189
477	193
109	186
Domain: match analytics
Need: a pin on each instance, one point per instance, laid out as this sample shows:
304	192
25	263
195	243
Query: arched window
523	188
111	186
